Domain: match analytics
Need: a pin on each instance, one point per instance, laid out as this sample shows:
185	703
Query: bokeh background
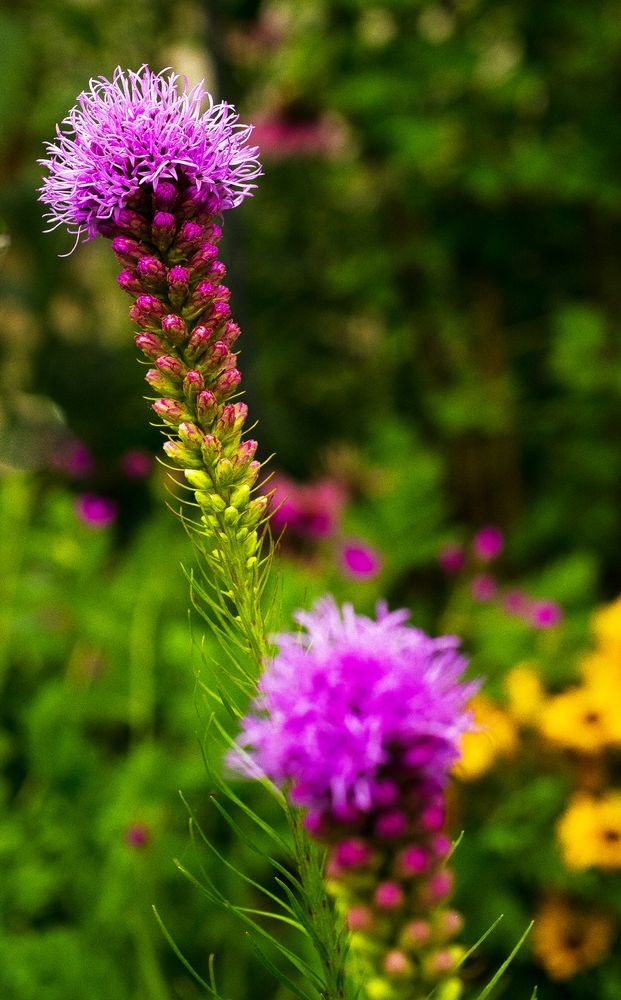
428	281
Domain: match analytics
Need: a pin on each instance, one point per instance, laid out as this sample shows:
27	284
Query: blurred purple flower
360	561
137	835
545	614
312	509
76	459
142	128
487	543
280	138
137	463
483	587
517	602
96	511
451	558
349	697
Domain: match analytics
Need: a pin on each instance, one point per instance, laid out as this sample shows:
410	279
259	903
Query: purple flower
487	543
360	561
139	129
98	512
137	463
347	699
517	602
137	835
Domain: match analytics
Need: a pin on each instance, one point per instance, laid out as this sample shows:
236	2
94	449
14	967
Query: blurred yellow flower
496	736
589	832
601	671
581	718
567	940
606	626
525	693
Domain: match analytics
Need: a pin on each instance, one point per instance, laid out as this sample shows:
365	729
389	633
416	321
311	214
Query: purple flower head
360	561
488	543
140	129
343	702
545	614
98	512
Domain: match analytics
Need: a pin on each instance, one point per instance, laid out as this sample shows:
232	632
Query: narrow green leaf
503	968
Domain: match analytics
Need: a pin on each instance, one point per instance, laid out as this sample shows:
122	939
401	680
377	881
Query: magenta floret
347	698
143	128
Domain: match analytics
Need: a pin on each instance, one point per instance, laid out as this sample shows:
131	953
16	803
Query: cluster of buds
387	868
167	244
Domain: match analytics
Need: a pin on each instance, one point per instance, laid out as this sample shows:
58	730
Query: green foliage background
430	309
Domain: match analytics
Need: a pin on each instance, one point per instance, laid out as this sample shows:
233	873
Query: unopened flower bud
360	918
128	251
183	456
256	509
215	358
150	345
438	887
432	818
225	473
251	543
193	383
412	861
203	259
151	272
352	853
191	435
206	408
416	934
147	311
174	328
441	962
171	367
449	989
226	383
161	383
163	229
199	300
213	232
164	196
219	312
128	281
189	236
391	824
231	516
449	923
199	480
216	273
211	449
133	223
245	452
198	342
251	474
178	285
397	964
240	497
170	411
229	334
389	896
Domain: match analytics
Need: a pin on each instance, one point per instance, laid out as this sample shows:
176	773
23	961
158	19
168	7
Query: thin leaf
503	968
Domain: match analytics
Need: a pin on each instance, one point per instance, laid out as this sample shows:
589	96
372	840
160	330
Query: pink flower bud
389	896
438	887
211	449
545	614
441	846
206	408
178	285
245	452
163	229
488	543
412	861
451	558
483	587
360	918
137	835
164	196
193	383
174	328
449	923
230	333
133	223
96	511
226	383
151	271
191	435
198	342
170	411
150	345
432	818
416	933
147	311
441	962
352	853
127	250
219	313
385	793
213	232
203	259
396	963
360	561
190	235
171	367
128	282
391	824
216	273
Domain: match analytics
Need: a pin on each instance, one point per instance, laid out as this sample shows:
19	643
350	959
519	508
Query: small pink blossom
360	561
483	587
487	543
137	463
451	558
76	459
96	511
545	614
517	602
137	835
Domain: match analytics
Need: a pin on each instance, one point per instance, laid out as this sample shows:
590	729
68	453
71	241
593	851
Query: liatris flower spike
361	720
140	162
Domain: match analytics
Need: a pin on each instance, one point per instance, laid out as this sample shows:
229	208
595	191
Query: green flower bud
217	502
241	496
231	516
251	543
182	456
200	480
